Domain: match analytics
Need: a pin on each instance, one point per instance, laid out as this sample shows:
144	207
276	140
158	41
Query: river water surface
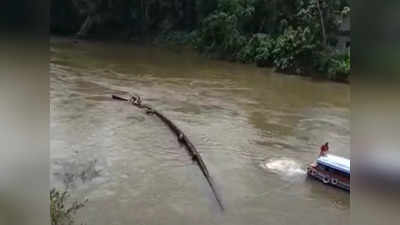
255	129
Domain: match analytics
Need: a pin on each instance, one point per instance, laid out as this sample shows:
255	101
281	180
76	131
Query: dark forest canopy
134	16
297	36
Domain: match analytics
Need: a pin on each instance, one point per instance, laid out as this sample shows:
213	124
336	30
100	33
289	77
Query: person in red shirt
324	149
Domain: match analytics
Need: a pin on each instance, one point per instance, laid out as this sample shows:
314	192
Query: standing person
324	149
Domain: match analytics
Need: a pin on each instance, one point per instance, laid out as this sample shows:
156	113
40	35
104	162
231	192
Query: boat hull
329	178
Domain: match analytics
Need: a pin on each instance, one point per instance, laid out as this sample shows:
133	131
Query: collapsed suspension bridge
182	138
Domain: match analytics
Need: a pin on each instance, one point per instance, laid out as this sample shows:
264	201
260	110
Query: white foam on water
284	166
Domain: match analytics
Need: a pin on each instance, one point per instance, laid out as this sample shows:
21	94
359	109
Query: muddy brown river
256	130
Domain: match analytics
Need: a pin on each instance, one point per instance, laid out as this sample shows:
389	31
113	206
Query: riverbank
259	51
181	41
307	38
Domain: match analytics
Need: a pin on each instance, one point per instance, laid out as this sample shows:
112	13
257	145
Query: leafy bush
221	31
252	48
336	66
292	47
59	213
339	67
264	54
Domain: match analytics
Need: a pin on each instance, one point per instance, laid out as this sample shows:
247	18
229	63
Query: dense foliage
296	36
292	36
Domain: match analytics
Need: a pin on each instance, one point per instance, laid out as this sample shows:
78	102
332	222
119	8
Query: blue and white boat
331	169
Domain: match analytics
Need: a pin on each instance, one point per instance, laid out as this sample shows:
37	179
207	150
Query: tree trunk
86	26
321	16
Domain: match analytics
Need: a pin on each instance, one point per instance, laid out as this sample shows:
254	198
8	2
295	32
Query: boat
331	169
